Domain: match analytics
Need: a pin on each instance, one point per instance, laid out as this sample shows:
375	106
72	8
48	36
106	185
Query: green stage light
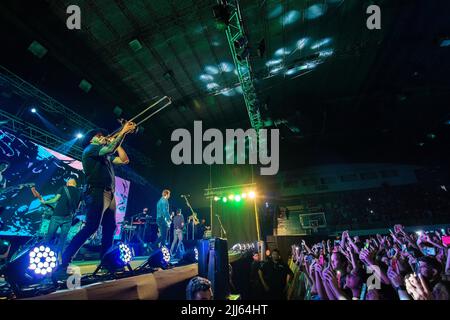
216	198
224	199
237	198
231	196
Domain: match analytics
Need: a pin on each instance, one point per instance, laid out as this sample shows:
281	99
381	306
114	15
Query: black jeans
57	222
163	230
100	210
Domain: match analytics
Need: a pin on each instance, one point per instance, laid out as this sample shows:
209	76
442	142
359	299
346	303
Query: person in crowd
256	287
275	274
399	265
199	288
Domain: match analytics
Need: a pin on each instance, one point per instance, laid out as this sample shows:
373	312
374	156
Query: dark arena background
251	150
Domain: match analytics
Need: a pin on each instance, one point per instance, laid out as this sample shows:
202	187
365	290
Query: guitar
15	188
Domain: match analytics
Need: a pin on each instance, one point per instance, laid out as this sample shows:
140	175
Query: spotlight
252	195
166	254
79	136
224	199
231	196
244	195
237	198
216	198
117	258
33	110
30	266
159	258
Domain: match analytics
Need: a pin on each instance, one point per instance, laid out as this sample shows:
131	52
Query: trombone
166	99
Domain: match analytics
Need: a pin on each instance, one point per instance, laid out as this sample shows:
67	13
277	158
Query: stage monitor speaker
213	264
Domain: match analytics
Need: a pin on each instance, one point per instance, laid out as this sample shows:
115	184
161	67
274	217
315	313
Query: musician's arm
112	146
122	158
52	200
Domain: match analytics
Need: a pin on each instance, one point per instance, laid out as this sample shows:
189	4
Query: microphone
185	195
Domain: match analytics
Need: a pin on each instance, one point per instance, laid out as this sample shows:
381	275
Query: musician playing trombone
100	153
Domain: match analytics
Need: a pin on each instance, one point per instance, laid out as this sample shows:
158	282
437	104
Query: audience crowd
401	265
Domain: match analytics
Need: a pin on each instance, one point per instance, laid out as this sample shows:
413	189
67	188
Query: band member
163	217
178	226
100	208
67	198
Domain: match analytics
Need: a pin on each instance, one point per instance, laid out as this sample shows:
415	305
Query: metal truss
51	105
234	32
38	135
46	102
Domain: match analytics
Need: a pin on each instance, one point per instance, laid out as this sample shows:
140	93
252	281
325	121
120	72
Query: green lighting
237	198
231	196
224	199
216	198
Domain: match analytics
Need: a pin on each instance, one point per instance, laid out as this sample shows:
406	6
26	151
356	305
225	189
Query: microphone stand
222	229
193	213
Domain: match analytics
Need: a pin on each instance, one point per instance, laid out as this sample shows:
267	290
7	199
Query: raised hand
418	288
394	277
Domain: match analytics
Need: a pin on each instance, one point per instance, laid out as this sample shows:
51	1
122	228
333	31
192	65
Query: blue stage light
79	136
40	261
33	110
166	254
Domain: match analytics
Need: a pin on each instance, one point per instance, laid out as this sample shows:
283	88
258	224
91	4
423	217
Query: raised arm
112	146
122	158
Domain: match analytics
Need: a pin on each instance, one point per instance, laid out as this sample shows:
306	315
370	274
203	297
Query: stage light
28	267
244	195
290	17
206	77
237	198
33	110
216	198
226	67
321	43
212	86
224	199
212	70
196	253
231	196
252	195
273	62
117	258
302	43
282	52
79	136
315	11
